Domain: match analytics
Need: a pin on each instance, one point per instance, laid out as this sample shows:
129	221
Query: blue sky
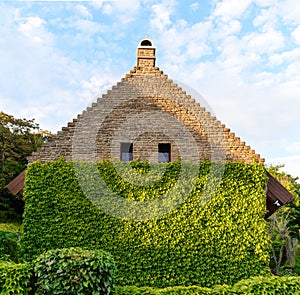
242	56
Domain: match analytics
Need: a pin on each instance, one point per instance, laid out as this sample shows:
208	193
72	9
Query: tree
18	139
279	233
284	223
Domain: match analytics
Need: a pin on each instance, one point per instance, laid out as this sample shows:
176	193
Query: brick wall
146	108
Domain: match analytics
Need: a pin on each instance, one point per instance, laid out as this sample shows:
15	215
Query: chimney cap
146	43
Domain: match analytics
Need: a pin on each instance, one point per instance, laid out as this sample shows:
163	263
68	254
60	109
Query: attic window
146	43
126	151
164	152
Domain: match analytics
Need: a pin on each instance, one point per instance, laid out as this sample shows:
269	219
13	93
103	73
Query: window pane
126	151
163	157
164	152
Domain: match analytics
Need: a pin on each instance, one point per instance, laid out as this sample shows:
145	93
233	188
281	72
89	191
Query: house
147	116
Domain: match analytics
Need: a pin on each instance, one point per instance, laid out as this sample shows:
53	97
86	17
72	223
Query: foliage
11	206
292	185
17	141
15	278
133	290
279	233
287	180
12	227
255	285
219	242
284	224
297	260
8	246
271	285
74	271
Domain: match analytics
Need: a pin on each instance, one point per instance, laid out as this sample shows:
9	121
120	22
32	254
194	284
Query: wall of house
146	108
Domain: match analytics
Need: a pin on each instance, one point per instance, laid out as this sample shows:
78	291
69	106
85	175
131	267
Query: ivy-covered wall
219	242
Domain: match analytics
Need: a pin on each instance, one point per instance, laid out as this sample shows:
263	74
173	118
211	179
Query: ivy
15	278
9	246
74	271
219	242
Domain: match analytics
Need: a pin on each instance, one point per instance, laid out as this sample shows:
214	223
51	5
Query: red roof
277	195
16	186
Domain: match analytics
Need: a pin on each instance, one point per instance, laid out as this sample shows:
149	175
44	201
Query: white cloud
38	79
126	10
183	43
289	10
97	3
107	9
291	164
265	42
278	13
230	57
296	35
33	28
293	147
231	8
263	79
87	26
129	5
285	57
267	19
160	17
265	3
225	28
194	6
83	11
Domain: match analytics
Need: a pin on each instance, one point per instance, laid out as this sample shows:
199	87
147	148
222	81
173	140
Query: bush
297	260
221	242
268	285
9	246
11	206
74	271
133	290
255	285
15	278
11	227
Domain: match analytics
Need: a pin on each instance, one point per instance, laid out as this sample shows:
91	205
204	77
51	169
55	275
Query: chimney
146	54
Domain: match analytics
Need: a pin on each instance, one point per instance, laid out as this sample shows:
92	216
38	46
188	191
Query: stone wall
146	108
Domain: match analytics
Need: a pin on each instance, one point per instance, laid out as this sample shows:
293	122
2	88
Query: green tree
284	224
292	184
18	139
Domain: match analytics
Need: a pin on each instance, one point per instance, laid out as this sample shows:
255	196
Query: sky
242	56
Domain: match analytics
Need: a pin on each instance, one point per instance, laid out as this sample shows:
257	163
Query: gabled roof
16	186
277	195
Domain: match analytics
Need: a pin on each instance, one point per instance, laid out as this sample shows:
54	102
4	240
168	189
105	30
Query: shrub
179	290
74	271
15	278
11	227
268	285
221	242
9	246
297	260
255	285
